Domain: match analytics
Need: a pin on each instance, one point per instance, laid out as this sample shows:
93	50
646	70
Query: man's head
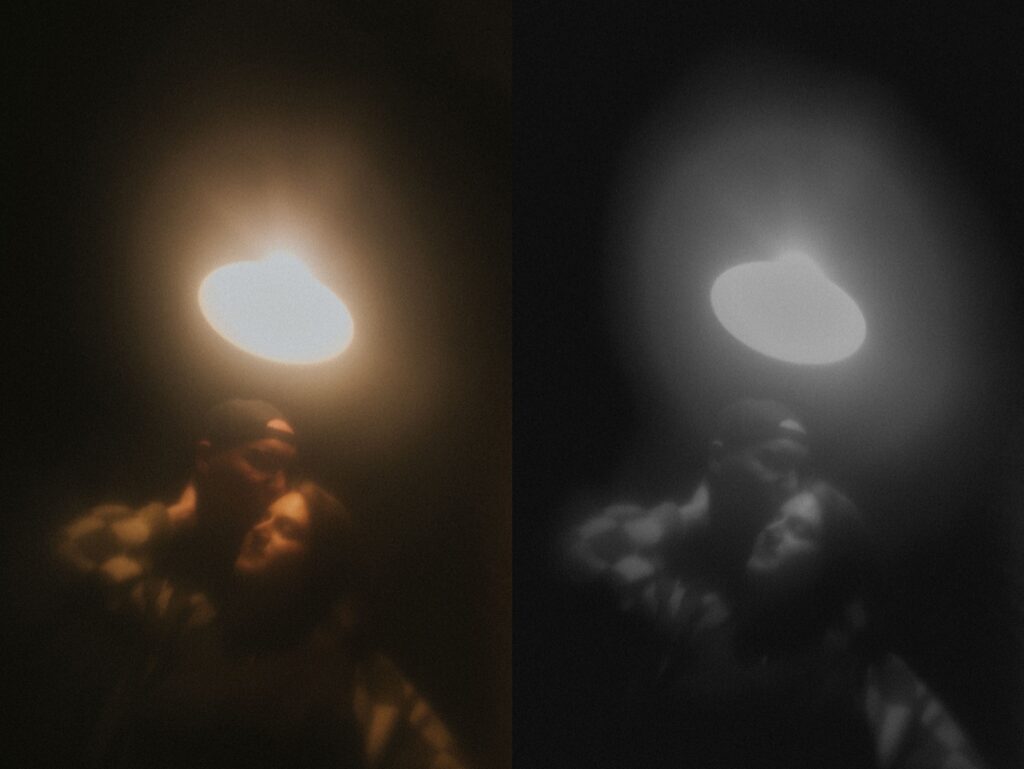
757	453
244	452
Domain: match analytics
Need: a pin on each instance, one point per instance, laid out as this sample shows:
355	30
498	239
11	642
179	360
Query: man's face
243	480
752	481
773	466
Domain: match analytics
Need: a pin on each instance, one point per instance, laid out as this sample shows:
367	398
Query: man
640	574
648	558
242	458
106	559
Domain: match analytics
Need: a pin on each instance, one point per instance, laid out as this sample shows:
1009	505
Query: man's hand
184	510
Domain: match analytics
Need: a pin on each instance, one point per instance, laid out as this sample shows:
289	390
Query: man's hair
750	420
238	421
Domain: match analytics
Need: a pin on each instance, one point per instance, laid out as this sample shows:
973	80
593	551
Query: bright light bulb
276	309
788	310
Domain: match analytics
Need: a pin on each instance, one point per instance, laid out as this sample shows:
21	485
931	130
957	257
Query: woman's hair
833	602
845	549
319	595
332	544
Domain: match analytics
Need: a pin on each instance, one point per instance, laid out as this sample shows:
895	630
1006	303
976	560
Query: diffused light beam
276	309
787	309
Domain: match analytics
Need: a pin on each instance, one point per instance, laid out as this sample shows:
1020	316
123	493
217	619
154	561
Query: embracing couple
750	644
240	599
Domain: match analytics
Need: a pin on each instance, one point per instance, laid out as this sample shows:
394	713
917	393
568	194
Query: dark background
946	505
111	367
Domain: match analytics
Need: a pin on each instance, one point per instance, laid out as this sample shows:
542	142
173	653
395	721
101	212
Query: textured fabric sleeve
400	730
111	548
623	547
911	726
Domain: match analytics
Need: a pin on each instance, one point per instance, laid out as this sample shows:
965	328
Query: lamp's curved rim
275	309
788	310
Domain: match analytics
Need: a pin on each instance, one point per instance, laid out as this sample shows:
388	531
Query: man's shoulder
114	540
648	526
132	524
624	541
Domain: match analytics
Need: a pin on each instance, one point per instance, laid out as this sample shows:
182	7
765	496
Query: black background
587	431
104	398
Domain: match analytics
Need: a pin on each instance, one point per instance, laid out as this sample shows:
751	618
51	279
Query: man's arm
111	547
400	730
912	728
623	548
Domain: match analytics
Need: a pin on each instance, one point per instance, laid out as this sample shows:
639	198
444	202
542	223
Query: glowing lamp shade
276	309
788	310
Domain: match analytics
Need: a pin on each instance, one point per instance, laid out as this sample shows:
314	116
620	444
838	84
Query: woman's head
816	545
302	543
278	544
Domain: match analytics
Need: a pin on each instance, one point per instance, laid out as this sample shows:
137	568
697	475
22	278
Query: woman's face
278	543
788	550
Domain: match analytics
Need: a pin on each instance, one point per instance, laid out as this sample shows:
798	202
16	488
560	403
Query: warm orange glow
236	186
276	309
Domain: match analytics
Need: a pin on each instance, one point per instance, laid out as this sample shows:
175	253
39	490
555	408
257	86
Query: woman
806	575
272	669
781	672
810	561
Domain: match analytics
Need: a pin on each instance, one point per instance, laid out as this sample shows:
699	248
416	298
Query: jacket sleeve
110	549
912	728
622	548
400	730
